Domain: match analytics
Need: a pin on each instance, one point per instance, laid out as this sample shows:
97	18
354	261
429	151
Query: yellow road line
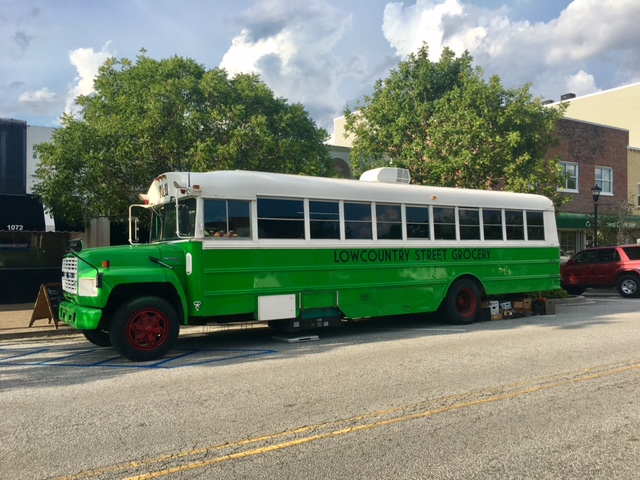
581	377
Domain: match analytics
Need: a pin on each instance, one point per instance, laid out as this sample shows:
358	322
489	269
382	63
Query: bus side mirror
74	245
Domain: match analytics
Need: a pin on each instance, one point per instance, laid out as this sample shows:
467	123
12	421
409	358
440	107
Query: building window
571	176
604	178
568	244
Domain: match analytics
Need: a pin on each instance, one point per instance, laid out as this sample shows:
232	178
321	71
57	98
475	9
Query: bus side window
280	218
389	222
535	226
324	219
215	217
492	224
444	223
515	224
418	222
239	221
227	218
469	223
357	221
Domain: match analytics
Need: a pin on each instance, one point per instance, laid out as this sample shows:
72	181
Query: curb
66	331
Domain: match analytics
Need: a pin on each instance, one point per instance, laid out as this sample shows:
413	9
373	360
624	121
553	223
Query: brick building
593	154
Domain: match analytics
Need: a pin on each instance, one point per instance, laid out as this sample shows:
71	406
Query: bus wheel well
475	280
124	292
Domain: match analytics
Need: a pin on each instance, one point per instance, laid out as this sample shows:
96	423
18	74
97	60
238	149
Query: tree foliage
150	117
450	127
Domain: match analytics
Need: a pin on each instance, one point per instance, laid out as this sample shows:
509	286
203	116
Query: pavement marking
337	428
108	358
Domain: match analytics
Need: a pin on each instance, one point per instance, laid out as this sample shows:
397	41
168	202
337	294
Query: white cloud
39	97
292	46
87	62
245	54
581	83
588	35
407	29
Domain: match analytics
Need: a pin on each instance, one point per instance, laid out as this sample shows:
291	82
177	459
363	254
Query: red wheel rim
466	302
147	329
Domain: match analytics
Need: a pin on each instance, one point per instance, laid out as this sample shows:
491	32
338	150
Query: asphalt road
549	397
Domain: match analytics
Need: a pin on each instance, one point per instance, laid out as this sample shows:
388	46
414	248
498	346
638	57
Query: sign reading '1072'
416	255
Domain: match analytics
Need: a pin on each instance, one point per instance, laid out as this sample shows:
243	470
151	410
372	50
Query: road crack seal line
355	424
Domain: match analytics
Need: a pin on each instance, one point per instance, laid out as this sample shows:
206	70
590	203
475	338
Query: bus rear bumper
82	318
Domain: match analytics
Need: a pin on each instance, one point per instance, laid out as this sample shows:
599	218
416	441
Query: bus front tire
97	337
144	329
462	304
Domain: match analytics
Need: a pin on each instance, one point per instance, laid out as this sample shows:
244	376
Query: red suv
603	267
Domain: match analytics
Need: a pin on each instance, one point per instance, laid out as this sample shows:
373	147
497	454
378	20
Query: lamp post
595	192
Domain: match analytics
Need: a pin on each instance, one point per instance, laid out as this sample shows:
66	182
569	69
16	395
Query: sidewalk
14	323
15	318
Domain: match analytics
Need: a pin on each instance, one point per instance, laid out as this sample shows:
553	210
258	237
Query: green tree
450	127
150	117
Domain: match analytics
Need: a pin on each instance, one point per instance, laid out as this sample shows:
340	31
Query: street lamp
595	192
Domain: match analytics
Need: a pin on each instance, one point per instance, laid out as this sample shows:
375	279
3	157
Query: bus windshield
166	220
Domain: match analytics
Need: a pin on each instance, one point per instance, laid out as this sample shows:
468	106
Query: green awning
580	221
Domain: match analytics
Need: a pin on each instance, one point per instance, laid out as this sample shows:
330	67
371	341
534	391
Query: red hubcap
147	329
466	302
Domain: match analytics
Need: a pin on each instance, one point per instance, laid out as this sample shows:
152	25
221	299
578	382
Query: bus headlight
87	287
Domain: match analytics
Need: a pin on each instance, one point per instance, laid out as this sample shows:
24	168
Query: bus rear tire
144	329
98	337
462	304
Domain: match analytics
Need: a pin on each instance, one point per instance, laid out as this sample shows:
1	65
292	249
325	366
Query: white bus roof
248	185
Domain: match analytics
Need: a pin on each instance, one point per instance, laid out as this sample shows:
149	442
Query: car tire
628	286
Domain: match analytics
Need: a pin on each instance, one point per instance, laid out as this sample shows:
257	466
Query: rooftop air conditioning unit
386	175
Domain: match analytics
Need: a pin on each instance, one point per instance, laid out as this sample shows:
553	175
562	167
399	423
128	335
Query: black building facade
32	243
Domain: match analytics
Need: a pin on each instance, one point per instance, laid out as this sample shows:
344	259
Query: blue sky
325	54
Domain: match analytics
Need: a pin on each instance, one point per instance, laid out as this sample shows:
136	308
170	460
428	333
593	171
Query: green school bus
299	252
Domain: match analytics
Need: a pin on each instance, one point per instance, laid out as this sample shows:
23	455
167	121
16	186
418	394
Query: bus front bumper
82	318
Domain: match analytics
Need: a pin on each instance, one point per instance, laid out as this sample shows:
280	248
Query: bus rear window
535	226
